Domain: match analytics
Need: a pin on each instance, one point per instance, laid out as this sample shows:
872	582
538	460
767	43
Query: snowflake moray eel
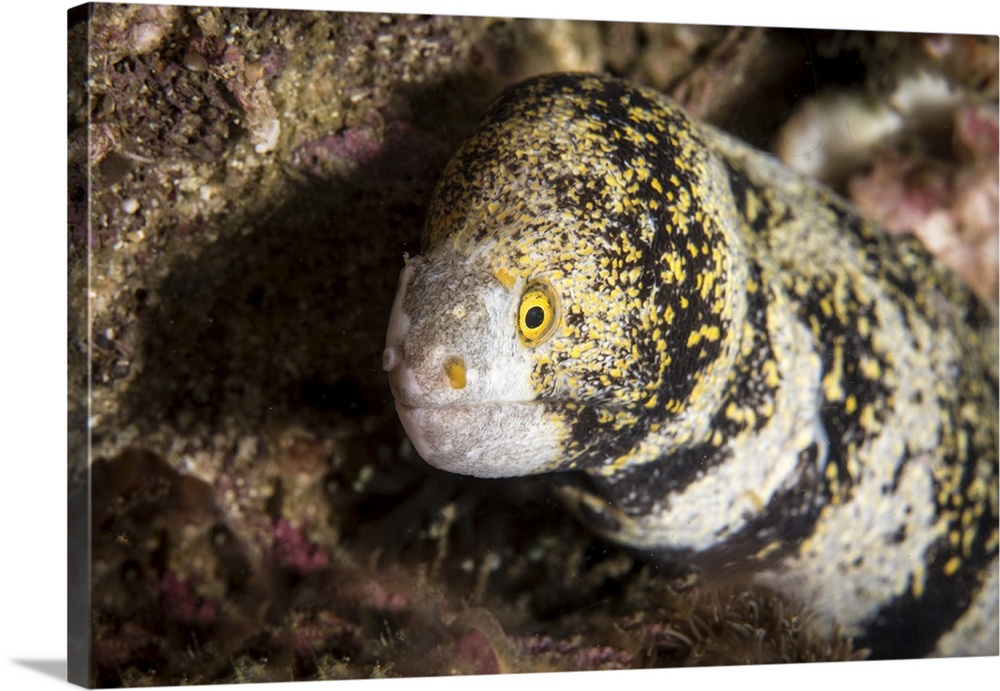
749	377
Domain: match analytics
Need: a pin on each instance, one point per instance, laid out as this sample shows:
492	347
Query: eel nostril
390	358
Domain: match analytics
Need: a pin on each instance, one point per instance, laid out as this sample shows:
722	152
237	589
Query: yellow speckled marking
455	369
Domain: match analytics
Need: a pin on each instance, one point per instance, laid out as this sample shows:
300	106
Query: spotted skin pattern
751	378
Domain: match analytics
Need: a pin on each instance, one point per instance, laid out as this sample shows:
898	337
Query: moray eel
746	375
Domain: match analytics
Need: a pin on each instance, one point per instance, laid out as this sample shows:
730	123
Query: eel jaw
503	439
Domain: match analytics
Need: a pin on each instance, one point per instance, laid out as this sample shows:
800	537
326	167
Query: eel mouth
408	415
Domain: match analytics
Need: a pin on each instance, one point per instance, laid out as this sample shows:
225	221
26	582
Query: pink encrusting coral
181	601
294	550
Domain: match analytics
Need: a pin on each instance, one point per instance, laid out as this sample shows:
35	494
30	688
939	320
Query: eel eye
536	316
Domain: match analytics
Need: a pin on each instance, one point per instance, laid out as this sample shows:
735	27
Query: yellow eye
536	316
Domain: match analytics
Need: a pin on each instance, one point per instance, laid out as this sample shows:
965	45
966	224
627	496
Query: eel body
743	373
